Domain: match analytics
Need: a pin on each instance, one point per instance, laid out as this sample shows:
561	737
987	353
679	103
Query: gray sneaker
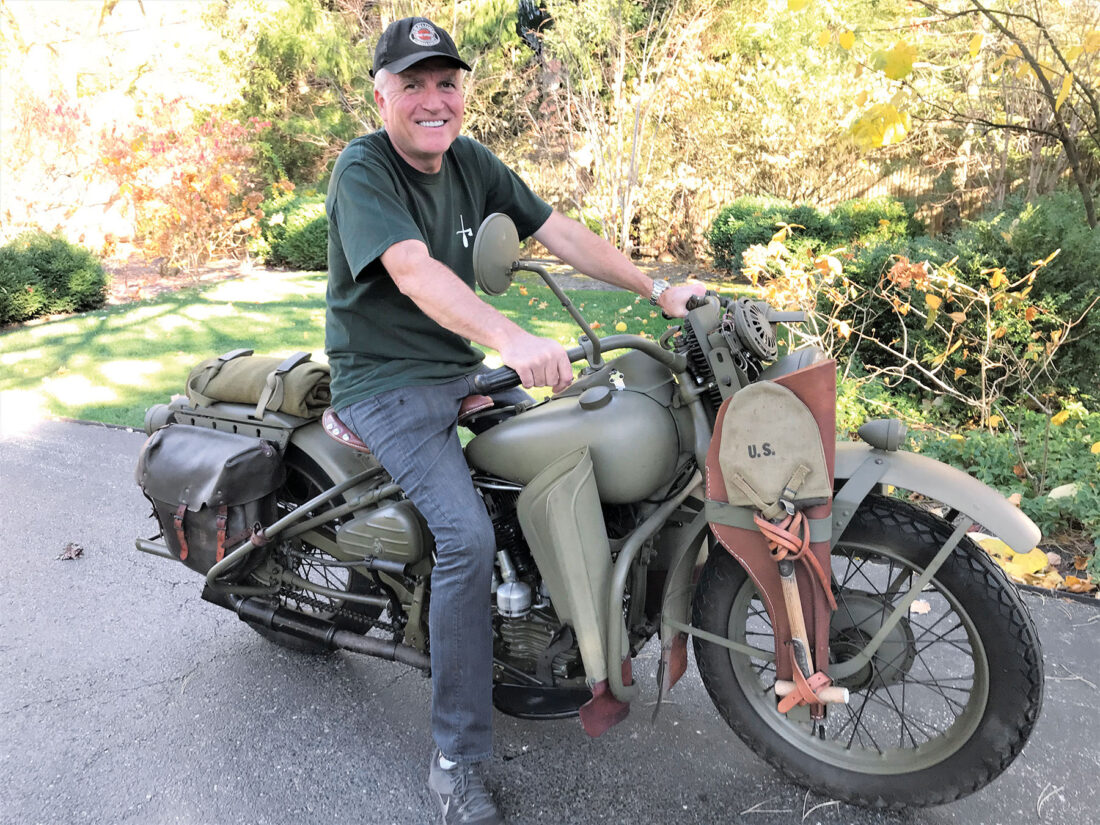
462	795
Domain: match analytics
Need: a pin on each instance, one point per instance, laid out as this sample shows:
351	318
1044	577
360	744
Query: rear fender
338	461
863	468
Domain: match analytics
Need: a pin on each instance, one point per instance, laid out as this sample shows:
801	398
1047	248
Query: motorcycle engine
528	636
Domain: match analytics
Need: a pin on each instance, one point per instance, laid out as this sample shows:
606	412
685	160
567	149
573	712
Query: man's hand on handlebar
674	300
539	362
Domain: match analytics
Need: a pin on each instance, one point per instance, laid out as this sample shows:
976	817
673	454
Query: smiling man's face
422	110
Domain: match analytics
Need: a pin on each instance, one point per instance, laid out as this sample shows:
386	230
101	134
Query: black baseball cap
408	41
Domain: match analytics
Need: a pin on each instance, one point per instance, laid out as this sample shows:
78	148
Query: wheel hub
856	621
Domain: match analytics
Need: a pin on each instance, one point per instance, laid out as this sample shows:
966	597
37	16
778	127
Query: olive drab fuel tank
623	412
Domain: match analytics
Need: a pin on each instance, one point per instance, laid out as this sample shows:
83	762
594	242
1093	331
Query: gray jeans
412	431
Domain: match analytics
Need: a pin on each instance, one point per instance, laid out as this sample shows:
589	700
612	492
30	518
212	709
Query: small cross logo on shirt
464	233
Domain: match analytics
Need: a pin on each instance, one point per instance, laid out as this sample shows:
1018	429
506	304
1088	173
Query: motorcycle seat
338	430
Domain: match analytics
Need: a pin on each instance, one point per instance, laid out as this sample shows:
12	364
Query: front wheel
944	706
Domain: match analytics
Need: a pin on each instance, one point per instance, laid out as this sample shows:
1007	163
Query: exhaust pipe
323	632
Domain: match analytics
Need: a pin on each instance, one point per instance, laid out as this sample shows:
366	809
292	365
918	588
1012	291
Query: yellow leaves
1032	568
523	290
846	39
976	44
843	329
896	63
1060	418
824	38
1067	84
828	265
933	301
797	5
620	327
861	98
994	421
1000	332
1078	585
881	125
959	373
997	278
1091	42
941	359
1073	52
1095	448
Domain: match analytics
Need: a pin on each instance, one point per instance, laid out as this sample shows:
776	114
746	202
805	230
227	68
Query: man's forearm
589	253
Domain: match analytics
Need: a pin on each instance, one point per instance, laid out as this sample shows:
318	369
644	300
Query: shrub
1022	233
1036	455
41	274
867	220
294	230
749	221
753	221
192	185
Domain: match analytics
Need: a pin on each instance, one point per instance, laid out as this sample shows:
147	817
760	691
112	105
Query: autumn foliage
191	185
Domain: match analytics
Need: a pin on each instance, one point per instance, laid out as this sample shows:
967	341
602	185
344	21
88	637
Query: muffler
322	631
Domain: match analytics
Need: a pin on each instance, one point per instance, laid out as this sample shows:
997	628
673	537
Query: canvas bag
770	452
294	385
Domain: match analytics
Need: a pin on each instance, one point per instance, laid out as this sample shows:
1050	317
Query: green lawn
111	364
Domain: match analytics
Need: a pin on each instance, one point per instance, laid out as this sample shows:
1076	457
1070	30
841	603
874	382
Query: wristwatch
659	286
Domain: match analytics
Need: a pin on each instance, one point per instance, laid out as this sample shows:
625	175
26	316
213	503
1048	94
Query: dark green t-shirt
376	338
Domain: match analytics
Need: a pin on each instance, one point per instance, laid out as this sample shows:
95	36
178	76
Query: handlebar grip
502	378
696	301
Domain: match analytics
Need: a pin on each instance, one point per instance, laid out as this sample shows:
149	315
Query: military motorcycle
843	623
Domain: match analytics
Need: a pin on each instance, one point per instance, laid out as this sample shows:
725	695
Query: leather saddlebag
211	490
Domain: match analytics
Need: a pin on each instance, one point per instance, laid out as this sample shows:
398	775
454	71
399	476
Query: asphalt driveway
124	698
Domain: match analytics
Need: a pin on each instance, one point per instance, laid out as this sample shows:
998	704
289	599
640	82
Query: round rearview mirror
496	248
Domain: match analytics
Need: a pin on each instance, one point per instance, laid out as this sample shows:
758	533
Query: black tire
305	480
946	705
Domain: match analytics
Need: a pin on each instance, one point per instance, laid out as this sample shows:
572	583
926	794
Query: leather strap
181	536
223	515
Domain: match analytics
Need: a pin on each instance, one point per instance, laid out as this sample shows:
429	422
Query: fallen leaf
1019	470
620	327
920	607
1063	491
1076	585
1054	559
1080	562
1015	499
72	551
847	39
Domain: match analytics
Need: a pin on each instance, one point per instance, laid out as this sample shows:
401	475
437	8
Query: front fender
861	467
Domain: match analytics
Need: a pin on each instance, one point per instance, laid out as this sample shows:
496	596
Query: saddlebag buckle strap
181	535
223	517
275	389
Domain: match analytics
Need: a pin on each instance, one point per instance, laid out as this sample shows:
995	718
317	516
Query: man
403	205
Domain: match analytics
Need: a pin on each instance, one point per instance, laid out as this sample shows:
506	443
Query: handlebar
498	380
504	378
696	301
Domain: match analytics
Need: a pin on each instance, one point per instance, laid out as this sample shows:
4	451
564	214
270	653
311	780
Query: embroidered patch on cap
423	34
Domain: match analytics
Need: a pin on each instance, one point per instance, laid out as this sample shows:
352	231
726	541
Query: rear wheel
943	707
302	556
